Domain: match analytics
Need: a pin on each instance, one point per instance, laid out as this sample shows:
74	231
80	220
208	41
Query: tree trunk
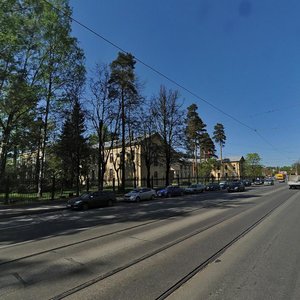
123	144
3	156
222	173
44	140
168	165
4	146
78	175
167	173
148	177
100	167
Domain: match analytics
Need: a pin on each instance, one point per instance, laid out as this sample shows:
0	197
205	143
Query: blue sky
241	56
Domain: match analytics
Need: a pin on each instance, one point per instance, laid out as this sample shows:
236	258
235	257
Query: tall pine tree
73	148
220	138
123	88
194	130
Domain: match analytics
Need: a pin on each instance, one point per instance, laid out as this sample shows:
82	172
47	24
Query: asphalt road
264	264
133	251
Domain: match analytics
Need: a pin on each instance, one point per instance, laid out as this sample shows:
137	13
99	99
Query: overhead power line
161	74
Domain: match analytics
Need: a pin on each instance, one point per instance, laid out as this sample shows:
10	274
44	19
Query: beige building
136	170
135	165
232	168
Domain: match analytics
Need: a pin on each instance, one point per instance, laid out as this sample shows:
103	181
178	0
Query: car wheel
168	195
85	206
138	199
181	193
110	202
152	197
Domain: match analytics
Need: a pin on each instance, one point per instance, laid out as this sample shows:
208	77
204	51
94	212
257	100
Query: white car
195	188
139	194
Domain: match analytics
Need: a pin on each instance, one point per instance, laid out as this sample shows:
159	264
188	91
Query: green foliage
122	79
73	148
252	166
205	167
39	64
219	134
294	168
195	128
207	146
220	138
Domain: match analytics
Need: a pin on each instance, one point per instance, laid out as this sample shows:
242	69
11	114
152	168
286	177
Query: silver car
139	194
195	188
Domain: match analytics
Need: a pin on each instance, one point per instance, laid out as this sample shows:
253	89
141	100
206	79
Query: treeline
56	120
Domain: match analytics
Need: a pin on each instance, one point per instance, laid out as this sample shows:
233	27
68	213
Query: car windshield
85	196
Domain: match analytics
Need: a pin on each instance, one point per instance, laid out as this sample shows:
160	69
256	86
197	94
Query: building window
226	167
155	174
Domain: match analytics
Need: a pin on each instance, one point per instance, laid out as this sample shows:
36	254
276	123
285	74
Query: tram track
116	232
215	255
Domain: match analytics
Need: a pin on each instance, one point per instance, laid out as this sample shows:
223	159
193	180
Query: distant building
136	170
233	167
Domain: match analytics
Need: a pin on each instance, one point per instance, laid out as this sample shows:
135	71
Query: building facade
231	168
136	171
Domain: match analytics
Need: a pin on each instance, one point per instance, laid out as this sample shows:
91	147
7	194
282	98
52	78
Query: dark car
223	185
92	199
236	186
269	182
170	191
247	182
212	187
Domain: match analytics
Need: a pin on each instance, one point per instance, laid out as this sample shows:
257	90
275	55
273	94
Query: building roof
233	158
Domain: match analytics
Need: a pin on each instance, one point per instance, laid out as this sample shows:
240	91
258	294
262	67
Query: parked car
269	182
223	185
92	199
139	194
258	181
247	182
236	186
212	186
195	188
171	191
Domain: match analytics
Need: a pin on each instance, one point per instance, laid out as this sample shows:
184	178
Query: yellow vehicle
280	177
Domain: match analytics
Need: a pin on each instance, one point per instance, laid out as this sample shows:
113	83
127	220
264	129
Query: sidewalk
9	211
